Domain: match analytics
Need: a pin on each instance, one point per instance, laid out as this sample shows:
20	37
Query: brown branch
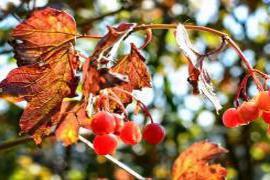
91	20
10	144
227	38
6	51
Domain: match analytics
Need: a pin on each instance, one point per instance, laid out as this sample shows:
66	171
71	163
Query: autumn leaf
132	65
95	79
106	48
193	163
46	101
35	39
68	130
45	56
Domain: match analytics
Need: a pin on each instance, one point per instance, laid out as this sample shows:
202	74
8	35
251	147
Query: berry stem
140	103
120	104
114	160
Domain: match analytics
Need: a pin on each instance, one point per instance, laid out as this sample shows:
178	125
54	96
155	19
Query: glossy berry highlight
266	116
231	118
131	133
103	123
263	101
153	133
119	124
105	144
248	112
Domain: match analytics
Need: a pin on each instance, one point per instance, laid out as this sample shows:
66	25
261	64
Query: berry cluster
107	127
249	111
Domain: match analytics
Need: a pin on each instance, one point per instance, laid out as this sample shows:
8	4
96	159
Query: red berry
266	116
131	133
248	112
263	101
231	118
153	133
103	123
105	144
119	124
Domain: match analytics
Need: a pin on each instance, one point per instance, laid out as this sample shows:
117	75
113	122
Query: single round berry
248	112
119	124
103	123
231	118
105	144
266	116
263	101
131	133
153	133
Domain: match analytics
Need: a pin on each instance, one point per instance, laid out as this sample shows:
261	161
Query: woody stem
215	32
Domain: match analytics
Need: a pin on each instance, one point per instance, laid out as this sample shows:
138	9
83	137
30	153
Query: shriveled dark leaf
106	48
95	80
197	73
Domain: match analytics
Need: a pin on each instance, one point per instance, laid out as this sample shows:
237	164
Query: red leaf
193	163
44	51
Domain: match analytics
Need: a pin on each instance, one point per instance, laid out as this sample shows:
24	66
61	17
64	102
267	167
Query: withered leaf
193	163
197	73
106	48
134	67
95	79
45	55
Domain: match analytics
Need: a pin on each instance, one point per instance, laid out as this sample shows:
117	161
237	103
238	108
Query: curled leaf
193	163
106	48
197	74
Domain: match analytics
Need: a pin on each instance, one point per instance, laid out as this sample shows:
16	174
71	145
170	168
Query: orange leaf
193	163
41	33
134	67
96	80
68	130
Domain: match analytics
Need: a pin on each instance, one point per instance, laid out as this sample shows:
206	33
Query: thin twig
114	160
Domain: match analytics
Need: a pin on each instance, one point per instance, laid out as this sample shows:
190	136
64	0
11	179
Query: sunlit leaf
68	130
193	163
134	67
45	56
